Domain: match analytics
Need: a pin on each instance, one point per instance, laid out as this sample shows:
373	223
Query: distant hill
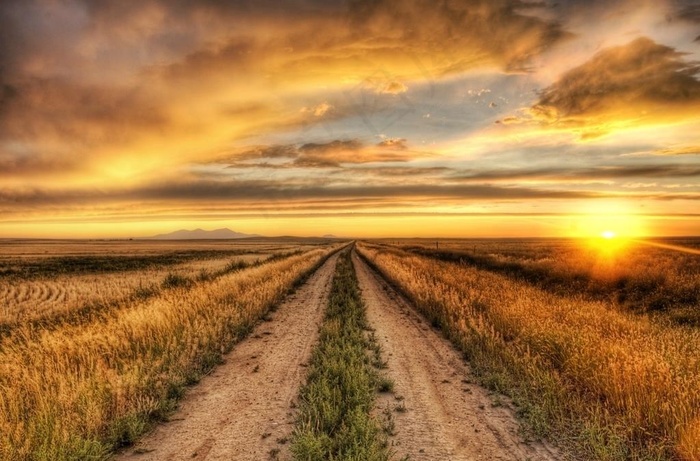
329	236
201	234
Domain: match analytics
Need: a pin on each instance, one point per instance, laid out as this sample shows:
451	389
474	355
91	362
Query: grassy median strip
334	421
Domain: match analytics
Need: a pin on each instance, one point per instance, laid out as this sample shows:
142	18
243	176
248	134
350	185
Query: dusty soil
244	409
439	413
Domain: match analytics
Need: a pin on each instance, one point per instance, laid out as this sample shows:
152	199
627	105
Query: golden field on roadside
45	278
643	276
595	342
610	382
79	384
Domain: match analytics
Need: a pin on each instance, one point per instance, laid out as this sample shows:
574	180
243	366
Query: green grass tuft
334	420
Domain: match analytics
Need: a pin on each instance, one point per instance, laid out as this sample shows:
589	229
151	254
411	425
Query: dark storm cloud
269	195
261	190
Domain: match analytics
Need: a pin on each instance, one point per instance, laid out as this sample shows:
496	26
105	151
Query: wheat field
609	382
78	388
44	279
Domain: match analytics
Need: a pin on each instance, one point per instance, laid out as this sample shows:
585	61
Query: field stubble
23	299
41	279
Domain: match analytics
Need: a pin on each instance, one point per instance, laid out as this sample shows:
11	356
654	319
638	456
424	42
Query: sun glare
608	234
609	221
608	243
608	229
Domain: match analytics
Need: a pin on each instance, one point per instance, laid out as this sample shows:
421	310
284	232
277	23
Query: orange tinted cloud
323	155
642	82
121	109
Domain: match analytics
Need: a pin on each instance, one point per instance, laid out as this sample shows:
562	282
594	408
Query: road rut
243	410
442	414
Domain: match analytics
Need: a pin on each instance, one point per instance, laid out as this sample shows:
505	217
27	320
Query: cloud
14	162
637	73
77	115
321	109
270	191
385	84
402	171
330	154
690	13
172	81
57	126
263	152
381	42
129	104
461	35
642	82
682	150
394	143
247	192
394	87
566	174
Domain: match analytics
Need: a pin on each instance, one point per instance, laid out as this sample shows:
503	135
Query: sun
608	230
608	234
610	222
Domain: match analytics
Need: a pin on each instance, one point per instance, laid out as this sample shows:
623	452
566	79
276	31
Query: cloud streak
246	192
573	174
330	154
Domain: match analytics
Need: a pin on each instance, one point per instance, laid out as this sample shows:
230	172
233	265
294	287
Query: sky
364	118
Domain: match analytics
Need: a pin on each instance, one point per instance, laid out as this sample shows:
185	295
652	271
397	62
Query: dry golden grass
29	249
611	384
634	274
75	392
37	297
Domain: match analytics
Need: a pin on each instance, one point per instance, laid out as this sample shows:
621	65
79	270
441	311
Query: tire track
442	415
243	410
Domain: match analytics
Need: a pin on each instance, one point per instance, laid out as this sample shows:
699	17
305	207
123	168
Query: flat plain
468	349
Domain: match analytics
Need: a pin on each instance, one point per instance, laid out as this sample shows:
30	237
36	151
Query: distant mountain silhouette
201	234
329	236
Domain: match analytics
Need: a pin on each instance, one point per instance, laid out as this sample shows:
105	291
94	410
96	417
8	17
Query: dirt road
442	415
243	410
